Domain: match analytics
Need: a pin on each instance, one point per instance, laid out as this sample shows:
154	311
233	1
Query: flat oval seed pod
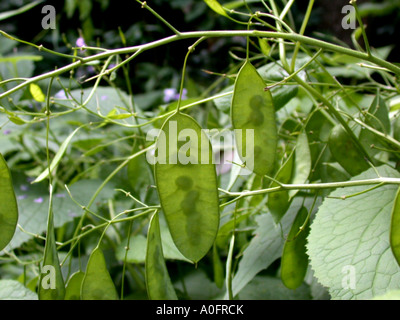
97	283
8	205
73	287
294	261
51	283
395	228
253	109
187	185
278	202
345	152
158	283
302	165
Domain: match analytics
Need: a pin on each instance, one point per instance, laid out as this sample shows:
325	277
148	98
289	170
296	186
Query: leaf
216	6
294	260
390	295
218	268
377	118
302	166
57	157
73	287
353	234
198	286
36	92
33	203
265	246
14	290
139	173
345	152
8	205
395	228
158	283
269	288
97	283
17	120
138	247
187	185
278	202
253	112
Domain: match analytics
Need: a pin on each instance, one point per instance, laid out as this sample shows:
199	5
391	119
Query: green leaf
16	120
139	172
33	203
253	109
158	283
14	290
265	246
97	283
390	295
345	152
57	157
36	92
218	268
73	287
302	166
278	202
377	118
198	286
395	228
138	247
8	205
349	245
269	288
294	260
216	6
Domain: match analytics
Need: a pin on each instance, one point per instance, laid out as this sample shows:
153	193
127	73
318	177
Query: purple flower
6	132
171	94
103	98
226	164
90	69
24	187
22	197
38	200
60	95
80	42
184	93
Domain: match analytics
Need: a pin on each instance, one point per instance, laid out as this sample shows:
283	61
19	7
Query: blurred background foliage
101	22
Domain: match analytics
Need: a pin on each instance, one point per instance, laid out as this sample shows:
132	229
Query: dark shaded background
99	20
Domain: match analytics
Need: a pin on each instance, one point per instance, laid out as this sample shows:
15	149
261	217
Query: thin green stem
301	32
366	42
210	34
146	6
316	186
190	50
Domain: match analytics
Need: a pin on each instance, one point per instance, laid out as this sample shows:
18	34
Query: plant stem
327	185
210	34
